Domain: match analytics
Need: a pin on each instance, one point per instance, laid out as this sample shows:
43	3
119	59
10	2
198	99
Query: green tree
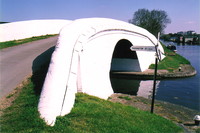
154	21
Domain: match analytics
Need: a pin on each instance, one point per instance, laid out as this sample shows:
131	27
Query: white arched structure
25	29
82	59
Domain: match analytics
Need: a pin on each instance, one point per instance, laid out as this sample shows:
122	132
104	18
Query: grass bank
171	62
90	114
22	41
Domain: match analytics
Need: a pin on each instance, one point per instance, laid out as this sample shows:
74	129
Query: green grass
125	97
171	62
22	41
90	114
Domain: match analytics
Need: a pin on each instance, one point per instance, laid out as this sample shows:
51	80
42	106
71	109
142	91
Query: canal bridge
86	52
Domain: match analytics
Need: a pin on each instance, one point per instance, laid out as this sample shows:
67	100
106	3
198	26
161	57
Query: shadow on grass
23	115
39	69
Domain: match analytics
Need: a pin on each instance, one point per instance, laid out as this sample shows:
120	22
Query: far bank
185	70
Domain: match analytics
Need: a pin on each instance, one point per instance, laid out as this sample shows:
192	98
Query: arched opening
124	60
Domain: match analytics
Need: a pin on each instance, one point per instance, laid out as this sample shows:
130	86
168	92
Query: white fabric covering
30	28
82	62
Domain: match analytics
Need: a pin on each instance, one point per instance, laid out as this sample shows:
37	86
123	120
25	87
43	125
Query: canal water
183	91
186	91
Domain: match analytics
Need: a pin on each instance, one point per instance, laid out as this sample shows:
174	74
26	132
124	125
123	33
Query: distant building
180	33
191	32
173	39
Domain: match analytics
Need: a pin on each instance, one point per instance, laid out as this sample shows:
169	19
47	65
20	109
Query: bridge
86	52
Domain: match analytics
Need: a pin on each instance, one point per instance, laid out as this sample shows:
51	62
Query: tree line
154	21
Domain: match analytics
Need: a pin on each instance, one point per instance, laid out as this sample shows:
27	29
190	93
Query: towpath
18	62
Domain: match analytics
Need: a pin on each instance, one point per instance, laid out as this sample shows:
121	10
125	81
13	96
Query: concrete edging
186	71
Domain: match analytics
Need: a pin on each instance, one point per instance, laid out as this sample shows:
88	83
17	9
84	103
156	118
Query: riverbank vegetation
171	62
22	41
90	114
189	37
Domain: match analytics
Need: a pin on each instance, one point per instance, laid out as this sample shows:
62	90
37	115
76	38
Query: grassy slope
171	62
22	41
90	114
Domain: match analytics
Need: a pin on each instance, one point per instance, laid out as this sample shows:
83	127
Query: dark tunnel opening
124	60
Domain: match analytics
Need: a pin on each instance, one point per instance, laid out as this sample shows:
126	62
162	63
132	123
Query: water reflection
125	86
133	87
146	88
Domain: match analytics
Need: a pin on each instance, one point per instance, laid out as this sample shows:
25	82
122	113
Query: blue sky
184	14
